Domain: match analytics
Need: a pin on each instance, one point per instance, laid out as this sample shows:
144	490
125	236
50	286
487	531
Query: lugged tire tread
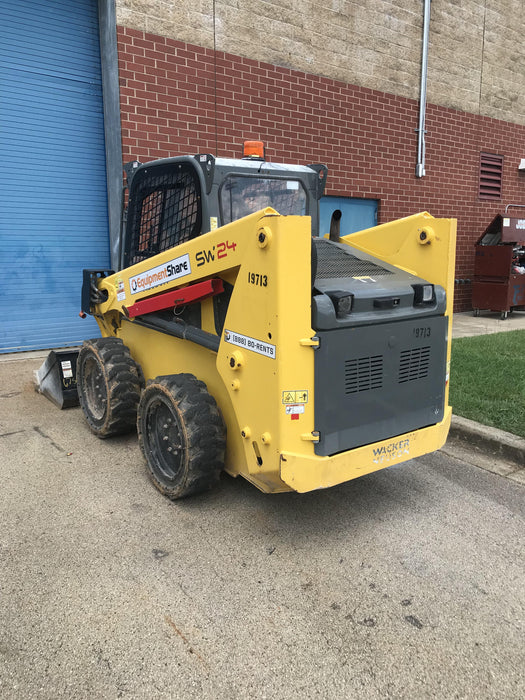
123	386
204	428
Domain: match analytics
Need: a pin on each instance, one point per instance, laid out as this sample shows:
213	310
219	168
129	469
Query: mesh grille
414	364
164	211
332	261
363	374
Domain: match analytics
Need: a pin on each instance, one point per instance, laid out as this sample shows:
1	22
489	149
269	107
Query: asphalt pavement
406	583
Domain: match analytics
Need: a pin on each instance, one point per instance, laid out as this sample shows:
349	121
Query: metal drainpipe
420	167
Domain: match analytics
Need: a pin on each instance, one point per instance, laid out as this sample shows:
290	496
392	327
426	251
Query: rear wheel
181	434
109	384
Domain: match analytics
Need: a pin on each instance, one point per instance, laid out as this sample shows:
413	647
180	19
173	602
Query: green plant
487	382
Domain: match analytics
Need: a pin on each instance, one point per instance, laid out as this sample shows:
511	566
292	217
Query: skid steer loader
235	337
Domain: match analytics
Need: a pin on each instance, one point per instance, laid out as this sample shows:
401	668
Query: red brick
170	105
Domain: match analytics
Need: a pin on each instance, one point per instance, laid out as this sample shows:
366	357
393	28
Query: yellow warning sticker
295	396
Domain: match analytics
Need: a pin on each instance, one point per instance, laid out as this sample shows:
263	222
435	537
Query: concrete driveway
407	583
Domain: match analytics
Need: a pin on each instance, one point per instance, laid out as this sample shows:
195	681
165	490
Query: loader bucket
57	378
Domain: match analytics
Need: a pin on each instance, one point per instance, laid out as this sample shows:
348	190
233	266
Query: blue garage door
53	200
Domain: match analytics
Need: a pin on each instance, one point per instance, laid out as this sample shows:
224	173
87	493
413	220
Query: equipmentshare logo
179	267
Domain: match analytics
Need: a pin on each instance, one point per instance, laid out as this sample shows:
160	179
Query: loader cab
174	200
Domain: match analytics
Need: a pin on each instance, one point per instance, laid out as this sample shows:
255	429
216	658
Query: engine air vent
333	261
363	374
414	364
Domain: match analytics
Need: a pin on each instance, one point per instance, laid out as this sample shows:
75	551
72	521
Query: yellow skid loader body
262	376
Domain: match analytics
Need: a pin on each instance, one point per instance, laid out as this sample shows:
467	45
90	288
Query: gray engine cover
376	382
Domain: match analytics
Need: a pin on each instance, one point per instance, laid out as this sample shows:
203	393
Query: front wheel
109	384
181	434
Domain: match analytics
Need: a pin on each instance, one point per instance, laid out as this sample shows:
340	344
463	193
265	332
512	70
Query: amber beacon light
254	149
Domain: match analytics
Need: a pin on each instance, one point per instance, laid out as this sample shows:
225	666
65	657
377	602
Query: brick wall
476	53
177	98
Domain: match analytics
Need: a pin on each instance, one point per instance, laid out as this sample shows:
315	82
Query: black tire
109	383
181	434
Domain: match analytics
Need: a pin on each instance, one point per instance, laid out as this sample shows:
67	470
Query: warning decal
121	292
67	370
295	396
294	409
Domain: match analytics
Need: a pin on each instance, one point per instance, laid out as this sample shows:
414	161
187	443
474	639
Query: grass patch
487	380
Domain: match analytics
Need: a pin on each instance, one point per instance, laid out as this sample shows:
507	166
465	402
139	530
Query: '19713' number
422	332
255	278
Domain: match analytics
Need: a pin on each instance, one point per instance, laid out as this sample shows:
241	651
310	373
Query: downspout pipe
420	167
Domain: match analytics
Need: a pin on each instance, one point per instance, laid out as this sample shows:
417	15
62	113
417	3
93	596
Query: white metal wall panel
53	201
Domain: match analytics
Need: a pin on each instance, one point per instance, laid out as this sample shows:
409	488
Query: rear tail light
342	302
423	294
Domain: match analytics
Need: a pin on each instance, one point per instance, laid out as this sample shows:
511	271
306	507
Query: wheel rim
164	438
94	387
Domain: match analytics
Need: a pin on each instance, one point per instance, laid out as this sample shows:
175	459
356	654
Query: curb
497	443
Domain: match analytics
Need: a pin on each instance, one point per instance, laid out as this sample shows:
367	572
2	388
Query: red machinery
499	266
